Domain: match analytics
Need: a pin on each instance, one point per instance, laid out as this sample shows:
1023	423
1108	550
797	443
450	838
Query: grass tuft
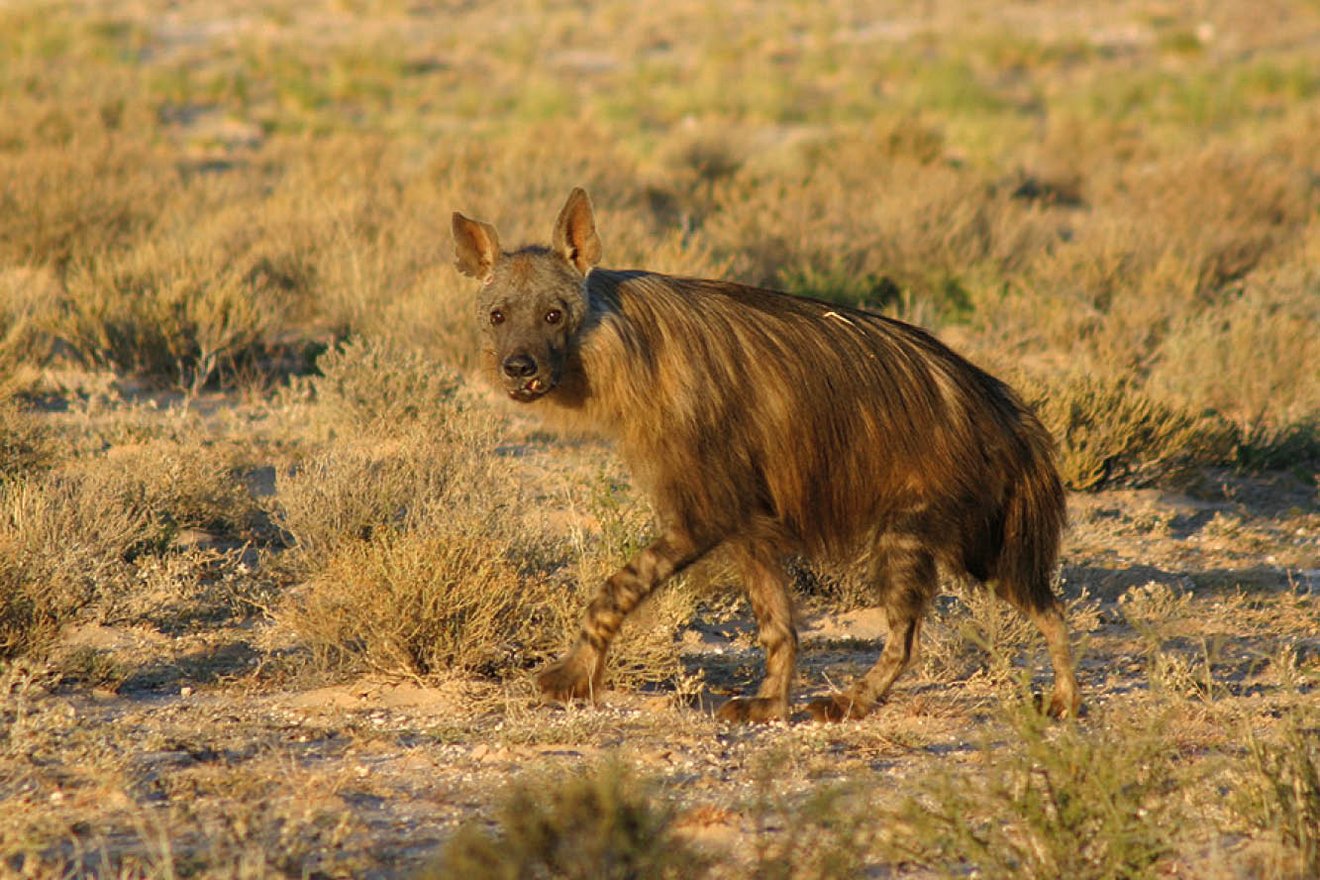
75	537
25	441
1280	793
601	824
65	543
373	385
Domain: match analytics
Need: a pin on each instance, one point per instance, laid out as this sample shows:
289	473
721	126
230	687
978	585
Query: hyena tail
1033	525
1034	517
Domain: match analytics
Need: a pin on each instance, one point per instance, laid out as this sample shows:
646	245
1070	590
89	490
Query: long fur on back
747	412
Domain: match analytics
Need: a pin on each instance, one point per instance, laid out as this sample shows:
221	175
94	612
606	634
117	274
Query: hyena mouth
531	389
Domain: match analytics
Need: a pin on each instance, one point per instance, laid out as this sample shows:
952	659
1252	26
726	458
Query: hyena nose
518	366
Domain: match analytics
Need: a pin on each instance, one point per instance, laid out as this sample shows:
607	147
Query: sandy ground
203	749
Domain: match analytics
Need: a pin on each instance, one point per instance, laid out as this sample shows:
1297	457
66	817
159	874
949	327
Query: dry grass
25	444
67	542
400	528
406	502
242	451
442	600
79	538
1281	794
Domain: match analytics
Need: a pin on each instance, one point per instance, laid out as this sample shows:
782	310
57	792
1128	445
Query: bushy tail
1034	517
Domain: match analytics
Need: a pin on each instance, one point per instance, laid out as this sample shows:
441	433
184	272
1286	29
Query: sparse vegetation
24	442
274	567
1281	794
75	538
437	600
1050	803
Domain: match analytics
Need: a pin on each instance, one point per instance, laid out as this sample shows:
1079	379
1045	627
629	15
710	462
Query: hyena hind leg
1045	610
768	589
909	582
1066	701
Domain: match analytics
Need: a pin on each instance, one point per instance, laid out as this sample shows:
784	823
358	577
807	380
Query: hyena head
532	300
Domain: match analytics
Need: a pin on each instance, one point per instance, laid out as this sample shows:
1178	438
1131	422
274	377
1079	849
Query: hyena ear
476	247
575	232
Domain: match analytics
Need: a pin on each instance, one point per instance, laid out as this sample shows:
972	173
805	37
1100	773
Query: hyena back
773	426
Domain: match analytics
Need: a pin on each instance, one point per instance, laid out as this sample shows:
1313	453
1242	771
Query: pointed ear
476	247
575	232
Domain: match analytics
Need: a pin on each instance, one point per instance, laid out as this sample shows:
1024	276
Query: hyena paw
567	679
1061	705
753	709
836	707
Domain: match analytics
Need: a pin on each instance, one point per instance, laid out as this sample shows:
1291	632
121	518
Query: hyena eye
496	316
554	316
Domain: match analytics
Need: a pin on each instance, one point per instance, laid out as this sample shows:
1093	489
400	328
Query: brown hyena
775	425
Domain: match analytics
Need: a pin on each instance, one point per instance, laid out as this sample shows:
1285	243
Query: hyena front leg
769	591
577	675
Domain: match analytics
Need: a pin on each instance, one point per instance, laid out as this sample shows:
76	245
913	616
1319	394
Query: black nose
519	366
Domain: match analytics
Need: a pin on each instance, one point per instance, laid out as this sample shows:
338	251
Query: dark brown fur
776	425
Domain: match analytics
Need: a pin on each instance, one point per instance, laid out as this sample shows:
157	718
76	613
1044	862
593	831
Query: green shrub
1280	792
1052	802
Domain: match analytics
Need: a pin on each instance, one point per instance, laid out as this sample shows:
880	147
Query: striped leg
908	576
769	591
577	675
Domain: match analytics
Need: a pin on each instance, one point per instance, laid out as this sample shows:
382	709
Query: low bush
1051	802
25	442
604	824
65	543
178	308
444	597
28	306
354	488
367	384
73	536
1111	434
